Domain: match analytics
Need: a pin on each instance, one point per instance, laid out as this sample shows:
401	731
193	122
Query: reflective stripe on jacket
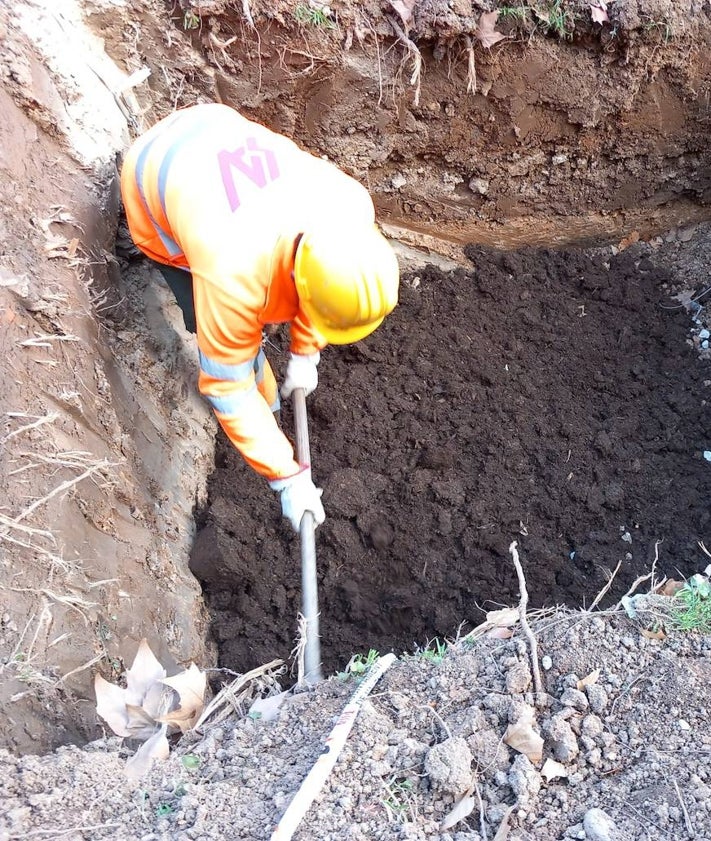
208	190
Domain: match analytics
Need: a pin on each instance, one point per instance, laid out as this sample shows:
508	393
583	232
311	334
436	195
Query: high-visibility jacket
212	192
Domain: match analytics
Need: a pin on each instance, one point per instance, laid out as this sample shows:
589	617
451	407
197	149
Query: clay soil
545	396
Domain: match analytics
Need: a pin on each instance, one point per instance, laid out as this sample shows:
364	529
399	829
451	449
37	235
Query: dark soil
549	397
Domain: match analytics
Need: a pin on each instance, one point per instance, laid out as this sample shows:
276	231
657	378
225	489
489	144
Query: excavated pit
548	397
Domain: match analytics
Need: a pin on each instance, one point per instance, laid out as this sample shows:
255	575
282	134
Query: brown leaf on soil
598	10
500	633
588	680
522	737
145	671
111	705
670	588
653	635
486	30
190	686
405	9
156	747
628	240
461	809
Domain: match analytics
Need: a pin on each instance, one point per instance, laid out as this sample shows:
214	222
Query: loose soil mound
545	396
633	742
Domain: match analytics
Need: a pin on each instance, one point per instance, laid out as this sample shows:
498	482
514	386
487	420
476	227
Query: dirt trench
553	397
548	397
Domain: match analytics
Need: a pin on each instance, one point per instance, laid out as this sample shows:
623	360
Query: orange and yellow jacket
212	192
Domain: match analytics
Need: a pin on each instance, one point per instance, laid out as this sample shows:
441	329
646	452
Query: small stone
561	738
398	180
683	725
518	678
592	726
449	765
599	826
546	663
574	698
479	185
704	334
557	160
597	697
523	777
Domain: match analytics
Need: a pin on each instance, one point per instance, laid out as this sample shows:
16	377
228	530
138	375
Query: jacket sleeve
305	340
229	339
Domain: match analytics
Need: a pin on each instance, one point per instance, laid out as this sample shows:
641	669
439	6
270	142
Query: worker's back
223	187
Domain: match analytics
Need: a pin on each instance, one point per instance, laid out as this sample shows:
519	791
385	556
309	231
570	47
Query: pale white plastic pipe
317	776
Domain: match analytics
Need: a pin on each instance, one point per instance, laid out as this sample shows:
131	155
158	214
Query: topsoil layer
548	397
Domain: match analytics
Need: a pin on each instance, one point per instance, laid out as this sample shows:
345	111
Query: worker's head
346	280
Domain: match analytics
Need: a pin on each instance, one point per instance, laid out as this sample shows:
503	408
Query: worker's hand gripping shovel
307	535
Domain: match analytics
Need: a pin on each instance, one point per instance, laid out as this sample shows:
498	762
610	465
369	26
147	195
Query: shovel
307	536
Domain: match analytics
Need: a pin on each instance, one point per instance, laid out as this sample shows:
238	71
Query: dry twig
522	605
607	586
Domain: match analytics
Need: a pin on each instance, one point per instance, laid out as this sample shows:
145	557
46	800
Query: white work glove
298	495
301	372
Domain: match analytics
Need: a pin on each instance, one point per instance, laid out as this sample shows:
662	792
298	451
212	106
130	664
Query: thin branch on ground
65	486
12	524
482	811
40	421
228	700
641	579
601	594
471	67
83	667
522	605
247	12
685	811
412	48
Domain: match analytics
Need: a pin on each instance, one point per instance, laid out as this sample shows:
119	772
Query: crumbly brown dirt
594	138
549	396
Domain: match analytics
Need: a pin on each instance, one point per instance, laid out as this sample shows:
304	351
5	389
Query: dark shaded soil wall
547	397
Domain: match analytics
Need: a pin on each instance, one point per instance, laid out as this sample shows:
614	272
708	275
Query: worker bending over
250	230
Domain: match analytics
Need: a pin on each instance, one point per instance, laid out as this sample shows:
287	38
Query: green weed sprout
399	803
358	665
434	651
314	14
693	605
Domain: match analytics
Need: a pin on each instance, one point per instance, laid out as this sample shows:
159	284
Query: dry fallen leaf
589	679
503	618
522	737
598	10
405	9
670	588
145	671
628	240
500	633
552	770
461	809
653	635
266	709
111	705
156	747
486	30
150	704
502	833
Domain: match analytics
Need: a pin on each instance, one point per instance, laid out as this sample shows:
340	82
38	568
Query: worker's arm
229	338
